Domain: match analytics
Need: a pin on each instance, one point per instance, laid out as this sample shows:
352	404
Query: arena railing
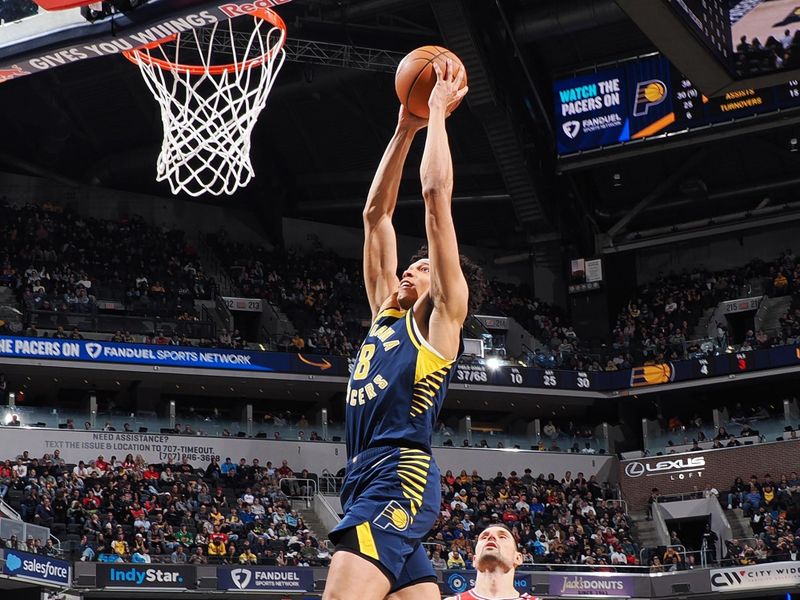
23	530
308	489
329	484
647	553
93	322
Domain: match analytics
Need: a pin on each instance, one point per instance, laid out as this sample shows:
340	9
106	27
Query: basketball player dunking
391	492
496	558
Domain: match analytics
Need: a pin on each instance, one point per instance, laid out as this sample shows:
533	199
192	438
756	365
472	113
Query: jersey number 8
362	366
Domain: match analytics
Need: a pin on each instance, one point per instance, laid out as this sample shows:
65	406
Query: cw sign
677	469
772	575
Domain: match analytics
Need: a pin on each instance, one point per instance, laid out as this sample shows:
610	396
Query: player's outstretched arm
449	291
380	242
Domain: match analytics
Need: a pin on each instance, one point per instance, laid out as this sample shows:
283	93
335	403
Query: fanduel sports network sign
769	575
33	566
597	586
458	582
146	576
265	579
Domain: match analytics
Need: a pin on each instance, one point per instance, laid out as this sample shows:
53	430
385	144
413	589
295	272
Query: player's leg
351	576
416	581
427	590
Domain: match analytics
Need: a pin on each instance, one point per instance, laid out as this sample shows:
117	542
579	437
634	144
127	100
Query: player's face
496	547
414	283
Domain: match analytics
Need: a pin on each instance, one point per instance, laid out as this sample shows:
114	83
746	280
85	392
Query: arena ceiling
318	142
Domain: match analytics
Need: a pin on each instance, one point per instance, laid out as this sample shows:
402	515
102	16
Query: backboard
33	40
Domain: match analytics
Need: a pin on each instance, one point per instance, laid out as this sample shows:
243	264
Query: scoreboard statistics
647	98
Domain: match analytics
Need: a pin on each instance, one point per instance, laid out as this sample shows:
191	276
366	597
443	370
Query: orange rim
136	55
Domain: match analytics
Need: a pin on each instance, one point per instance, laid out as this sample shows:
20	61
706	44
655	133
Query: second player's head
497	549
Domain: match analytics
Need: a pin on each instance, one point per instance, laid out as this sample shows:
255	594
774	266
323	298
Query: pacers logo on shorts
394	516
648	94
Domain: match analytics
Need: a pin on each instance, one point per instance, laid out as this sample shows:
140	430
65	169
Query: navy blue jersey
397	386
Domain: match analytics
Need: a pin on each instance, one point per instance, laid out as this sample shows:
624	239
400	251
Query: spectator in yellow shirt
216	548
454	561
247	557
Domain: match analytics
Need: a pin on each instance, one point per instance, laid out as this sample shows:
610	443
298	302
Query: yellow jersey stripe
415	477
414	463
416	469
423	400
418	389
412	335
414	495
406	451
412	503
393	312
407	481
366	543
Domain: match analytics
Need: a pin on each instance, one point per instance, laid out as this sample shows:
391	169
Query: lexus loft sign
676	469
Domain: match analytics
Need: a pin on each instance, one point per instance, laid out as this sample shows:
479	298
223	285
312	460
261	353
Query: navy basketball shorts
391	498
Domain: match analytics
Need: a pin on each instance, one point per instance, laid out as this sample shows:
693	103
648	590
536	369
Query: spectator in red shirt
101	464
218	536
290	487
92	502
509	515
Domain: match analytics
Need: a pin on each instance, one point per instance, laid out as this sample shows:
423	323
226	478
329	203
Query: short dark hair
501	525
476	281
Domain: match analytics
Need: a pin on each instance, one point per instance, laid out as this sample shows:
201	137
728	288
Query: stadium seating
114	512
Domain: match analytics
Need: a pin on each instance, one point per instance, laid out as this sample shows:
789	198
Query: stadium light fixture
493	363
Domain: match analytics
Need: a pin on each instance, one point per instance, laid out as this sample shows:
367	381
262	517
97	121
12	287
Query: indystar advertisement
34	566
266	579
461	581
768	575
146	576
596	586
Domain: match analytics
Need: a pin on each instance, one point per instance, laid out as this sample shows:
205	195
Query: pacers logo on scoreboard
652	375
648	94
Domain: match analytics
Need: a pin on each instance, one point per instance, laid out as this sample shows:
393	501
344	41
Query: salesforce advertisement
42	569
613	105
146	576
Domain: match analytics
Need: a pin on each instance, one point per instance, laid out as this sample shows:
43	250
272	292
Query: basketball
416	77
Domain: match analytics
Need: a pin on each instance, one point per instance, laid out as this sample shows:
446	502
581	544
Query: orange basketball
415	77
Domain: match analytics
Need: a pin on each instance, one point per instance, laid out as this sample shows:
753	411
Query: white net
208	112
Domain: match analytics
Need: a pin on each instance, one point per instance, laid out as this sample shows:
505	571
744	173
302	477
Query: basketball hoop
209	107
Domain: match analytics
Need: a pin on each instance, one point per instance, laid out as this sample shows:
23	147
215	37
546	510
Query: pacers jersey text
397	386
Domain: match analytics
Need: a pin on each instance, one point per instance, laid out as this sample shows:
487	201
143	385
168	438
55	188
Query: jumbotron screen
649	98
751	37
